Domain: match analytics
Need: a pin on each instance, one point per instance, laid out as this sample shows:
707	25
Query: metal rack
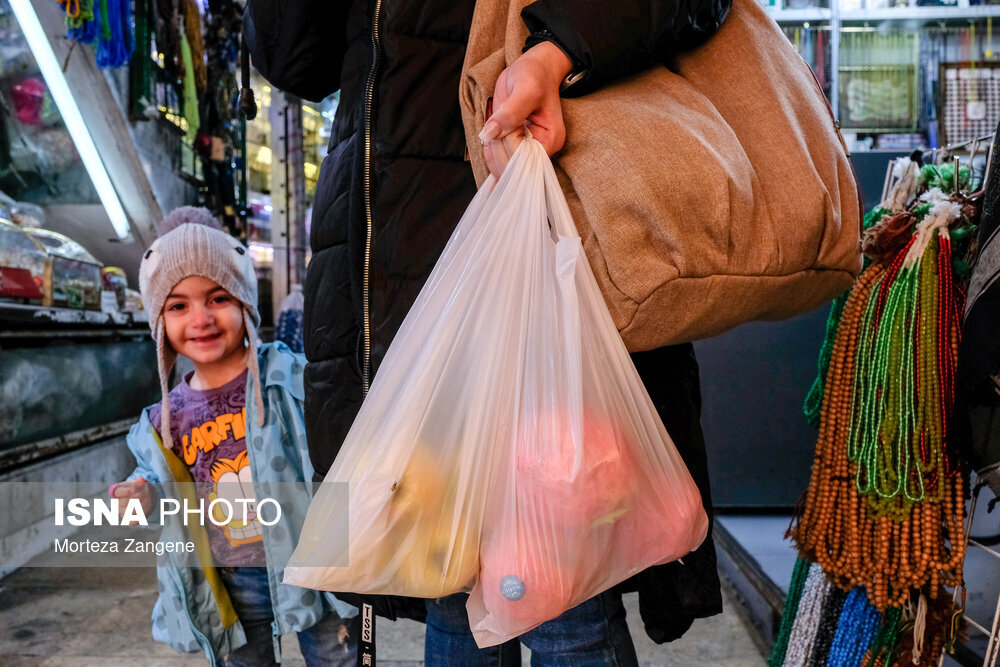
992	633
834	16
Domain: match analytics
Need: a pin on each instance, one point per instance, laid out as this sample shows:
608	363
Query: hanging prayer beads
795	588
883	513
856	627
883	502
814	399
803	635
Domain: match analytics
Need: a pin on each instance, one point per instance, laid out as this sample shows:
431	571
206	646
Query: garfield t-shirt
208	428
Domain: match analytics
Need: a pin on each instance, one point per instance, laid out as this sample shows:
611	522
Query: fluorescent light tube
71	115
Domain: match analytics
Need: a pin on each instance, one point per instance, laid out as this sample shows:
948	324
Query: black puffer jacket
396	182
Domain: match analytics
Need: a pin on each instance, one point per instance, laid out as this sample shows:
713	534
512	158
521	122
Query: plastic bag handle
568	253
555	201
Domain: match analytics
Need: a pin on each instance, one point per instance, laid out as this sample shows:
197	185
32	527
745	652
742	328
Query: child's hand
137	488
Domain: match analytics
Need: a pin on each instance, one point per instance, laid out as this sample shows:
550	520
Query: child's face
203	321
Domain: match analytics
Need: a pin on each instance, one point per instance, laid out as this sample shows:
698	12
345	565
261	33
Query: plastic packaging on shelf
26	214
72	275
22	264
133	301
115	280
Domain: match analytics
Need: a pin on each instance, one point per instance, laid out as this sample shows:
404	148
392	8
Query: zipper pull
276	641
836	126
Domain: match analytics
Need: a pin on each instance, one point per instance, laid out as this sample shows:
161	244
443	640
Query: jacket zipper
272	586
366	358
199	636
365	291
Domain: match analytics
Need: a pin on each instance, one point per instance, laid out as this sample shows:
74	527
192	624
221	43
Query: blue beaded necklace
858	623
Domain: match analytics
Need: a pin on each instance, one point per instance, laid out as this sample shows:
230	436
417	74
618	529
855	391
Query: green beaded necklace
899	402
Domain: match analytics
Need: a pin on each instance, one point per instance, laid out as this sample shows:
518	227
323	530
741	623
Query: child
200	290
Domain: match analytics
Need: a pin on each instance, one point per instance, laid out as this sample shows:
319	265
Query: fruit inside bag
507	446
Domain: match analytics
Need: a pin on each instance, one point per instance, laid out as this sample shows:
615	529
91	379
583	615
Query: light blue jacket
194	612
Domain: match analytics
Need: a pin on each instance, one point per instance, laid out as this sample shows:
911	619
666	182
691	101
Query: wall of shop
156	144
30	531
754	380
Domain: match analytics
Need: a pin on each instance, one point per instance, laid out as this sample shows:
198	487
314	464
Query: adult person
392	188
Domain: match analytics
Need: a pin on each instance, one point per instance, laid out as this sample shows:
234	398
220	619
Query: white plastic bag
507	446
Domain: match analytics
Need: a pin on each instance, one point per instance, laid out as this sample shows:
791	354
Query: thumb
509	118
126	489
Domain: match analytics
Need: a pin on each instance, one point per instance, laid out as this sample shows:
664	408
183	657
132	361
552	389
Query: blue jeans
320	644
592	634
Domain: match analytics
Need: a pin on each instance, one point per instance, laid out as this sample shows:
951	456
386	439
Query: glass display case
38	160
47	268
74	368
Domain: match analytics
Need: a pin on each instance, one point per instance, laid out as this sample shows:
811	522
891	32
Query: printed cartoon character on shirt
233	482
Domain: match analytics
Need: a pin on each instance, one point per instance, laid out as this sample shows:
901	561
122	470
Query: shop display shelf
15	317
809	14
924	13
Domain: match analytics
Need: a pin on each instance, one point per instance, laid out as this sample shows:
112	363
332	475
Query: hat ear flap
164	349
165	360
254	366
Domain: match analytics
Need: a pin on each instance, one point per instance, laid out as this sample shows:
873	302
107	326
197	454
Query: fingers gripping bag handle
592	490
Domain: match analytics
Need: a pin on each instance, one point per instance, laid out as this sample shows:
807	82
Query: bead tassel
795	588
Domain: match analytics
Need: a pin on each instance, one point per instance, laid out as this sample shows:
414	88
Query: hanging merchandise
820	68
190	91
903	176
142	103
167	34
81	21
507	447
221	129
970	99
193	34
117	42
879	78
109	22
289	329
802	637
192	44
883	515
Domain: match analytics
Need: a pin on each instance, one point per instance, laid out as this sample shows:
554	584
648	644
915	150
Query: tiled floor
101	618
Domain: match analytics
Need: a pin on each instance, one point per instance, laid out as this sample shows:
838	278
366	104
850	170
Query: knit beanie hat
191	243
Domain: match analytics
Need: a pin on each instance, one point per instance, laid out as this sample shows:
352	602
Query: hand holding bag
708	194
507	446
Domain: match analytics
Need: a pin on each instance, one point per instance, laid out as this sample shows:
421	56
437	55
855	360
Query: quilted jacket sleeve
609	39
297	45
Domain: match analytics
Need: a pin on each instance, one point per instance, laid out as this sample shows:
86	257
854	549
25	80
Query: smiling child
200	289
